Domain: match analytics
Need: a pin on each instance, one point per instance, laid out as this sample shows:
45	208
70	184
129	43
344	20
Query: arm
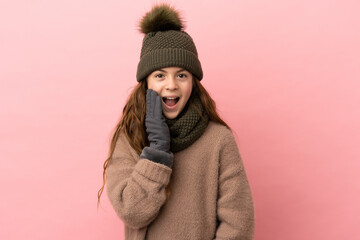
235	210
136	189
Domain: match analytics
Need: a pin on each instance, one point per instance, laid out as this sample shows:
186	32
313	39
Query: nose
171	83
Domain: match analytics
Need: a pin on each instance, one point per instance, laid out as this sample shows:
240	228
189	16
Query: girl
174	170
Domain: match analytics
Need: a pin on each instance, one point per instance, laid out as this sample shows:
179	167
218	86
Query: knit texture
210	199
188	126
168	49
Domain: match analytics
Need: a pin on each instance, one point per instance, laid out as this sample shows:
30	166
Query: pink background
285	76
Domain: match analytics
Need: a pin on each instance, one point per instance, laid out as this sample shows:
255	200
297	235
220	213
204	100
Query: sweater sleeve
235	210
135	186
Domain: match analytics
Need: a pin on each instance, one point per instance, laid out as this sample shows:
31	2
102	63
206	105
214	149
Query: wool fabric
188	126
168	49
210	199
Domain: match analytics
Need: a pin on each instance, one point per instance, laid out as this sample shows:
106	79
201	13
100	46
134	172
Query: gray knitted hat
166	44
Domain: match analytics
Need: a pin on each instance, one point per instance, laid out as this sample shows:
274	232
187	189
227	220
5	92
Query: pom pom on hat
161	18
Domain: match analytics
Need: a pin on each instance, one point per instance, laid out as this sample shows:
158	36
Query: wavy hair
132	121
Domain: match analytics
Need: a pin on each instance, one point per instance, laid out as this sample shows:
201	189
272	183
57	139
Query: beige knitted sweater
210	194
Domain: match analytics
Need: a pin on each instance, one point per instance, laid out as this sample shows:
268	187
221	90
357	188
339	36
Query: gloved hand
156	127
157	130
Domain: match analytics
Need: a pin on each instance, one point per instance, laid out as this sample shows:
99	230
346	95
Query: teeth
171	97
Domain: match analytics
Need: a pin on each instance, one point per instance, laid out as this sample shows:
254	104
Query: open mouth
170	101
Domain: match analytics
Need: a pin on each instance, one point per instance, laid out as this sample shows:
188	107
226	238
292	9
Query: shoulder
215	137
226	146
218	131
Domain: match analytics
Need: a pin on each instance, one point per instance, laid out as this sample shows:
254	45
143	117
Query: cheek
154	86
188	90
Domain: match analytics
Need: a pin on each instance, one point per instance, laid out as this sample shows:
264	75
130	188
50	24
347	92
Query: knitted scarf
188	126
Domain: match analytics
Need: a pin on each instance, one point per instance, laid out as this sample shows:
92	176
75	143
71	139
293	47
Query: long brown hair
133	118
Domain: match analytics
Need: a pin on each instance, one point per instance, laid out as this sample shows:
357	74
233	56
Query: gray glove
156	127
157	130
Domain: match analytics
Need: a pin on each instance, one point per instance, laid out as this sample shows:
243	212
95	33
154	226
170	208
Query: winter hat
166	44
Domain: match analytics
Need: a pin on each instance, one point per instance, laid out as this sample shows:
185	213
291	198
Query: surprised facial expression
174	86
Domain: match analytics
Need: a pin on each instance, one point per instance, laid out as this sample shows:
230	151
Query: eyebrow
162	70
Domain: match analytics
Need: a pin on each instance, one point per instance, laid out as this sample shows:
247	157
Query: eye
182	75
160	75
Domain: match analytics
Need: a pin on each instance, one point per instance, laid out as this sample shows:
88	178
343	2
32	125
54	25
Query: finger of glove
158	108
150	102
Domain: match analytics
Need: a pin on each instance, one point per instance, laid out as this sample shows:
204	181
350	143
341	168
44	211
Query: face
174	86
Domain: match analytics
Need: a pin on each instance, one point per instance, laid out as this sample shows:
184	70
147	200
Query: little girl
174	170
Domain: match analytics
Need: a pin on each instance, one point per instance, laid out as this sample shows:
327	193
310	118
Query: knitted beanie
166	44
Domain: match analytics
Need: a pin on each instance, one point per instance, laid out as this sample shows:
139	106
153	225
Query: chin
171	115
